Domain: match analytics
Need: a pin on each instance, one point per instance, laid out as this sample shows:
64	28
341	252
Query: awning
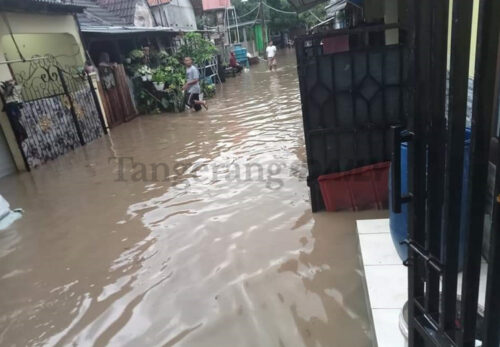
341	4
336	6
303	5
128	29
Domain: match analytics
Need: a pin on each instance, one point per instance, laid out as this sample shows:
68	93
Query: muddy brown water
216	246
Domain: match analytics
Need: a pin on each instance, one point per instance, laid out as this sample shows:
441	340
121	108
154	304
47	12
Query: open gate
441	312
353	88
59	112
420	90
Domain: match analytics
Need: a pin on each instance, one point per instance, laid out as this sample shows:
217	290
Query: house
178	14
114	28
119	26
40	42
216	15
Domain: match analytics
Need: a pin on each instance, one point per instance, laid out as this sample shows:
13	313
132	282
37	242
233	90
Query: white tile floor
386	280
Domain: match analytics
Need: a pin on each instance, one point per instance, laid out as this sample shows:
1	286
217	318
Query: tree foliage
279	21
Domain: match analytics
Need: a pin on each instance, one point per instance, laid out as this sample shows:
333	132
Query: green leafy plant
168	69
144	71
136	55
208	90
159	75
196	47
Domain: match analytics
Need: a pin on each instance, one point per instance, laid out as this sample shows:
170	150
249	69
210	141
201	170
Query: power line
257	16
278	10
316	17
246	14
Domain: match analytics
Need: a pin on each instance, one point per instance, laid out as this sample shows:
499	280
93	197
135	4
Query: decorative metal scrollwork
40	77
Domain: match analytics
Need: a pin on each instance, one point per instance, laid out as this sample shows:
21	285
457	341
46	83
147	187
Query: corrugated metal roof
215	4
158	2
128	29
336	5
303	5
113	17
97	15
125	9
61	6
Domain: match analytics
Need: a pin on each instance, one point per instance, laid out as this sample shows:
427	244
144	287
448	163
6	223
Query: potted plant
159	79
145	73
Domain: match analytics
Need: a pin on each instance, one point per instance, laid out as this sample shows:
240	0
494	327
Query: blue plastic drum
399	221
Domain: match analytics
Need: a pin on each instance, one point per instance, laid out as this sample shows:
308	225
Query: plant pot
159	85
149	77
144	78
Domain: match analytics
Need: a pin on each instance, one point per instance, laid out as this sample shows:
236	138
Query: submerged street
190	229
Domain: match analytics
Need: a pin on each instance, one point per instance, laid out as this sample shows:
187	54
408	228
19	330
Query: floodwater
190	229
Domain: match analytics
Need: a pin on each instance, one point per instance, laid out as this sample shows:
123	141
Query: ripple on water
223	253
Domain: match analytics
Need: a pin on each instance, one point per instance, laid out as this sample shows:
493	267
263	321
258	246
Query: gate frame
428	263
302	43
59	76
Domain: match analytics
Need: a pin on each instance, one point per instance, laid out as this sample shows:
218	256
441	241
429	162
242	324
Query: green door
259	42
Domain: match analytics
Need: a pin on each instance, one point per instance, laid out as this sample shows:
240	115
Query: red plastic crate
358	189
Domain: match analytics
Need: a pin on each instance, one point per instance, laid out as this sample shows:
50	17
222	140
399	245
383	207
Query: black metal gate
60	110
437	315
350	98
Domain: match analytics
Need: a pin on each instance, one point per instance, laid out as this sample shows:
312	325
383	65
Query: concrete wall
373	10
391	15
30	24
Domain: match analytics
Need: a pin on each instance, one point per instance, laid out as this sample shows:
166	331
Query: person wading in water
192	86
271	56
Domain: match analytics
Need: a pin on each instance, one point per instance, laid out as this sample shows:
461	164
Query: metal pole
97	104
263	25
236	22
72	107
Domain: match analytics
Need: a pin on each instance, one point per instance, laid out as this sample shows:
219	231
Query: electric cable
246	14
278	10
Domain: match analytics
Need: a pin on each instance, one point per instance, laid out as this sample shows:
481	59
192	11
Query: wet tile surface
386	280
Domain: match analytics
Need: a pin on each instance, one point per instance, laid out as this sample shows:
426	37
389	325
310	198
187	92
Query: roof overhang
39	6
130	30
304	5
246	24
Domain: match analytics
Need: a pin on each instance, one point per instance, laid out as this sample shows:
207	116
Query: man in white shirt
271	56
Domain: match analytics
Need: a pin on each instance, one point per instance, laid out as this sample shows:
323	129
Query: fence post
97	104
72	107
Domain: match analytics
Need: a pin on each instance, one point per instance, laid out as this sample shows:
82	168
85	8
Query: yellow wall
63	46
25	23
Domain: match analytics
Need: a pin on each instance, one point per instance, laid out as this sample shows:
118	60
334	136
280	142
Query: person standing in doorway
192	87
271	56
